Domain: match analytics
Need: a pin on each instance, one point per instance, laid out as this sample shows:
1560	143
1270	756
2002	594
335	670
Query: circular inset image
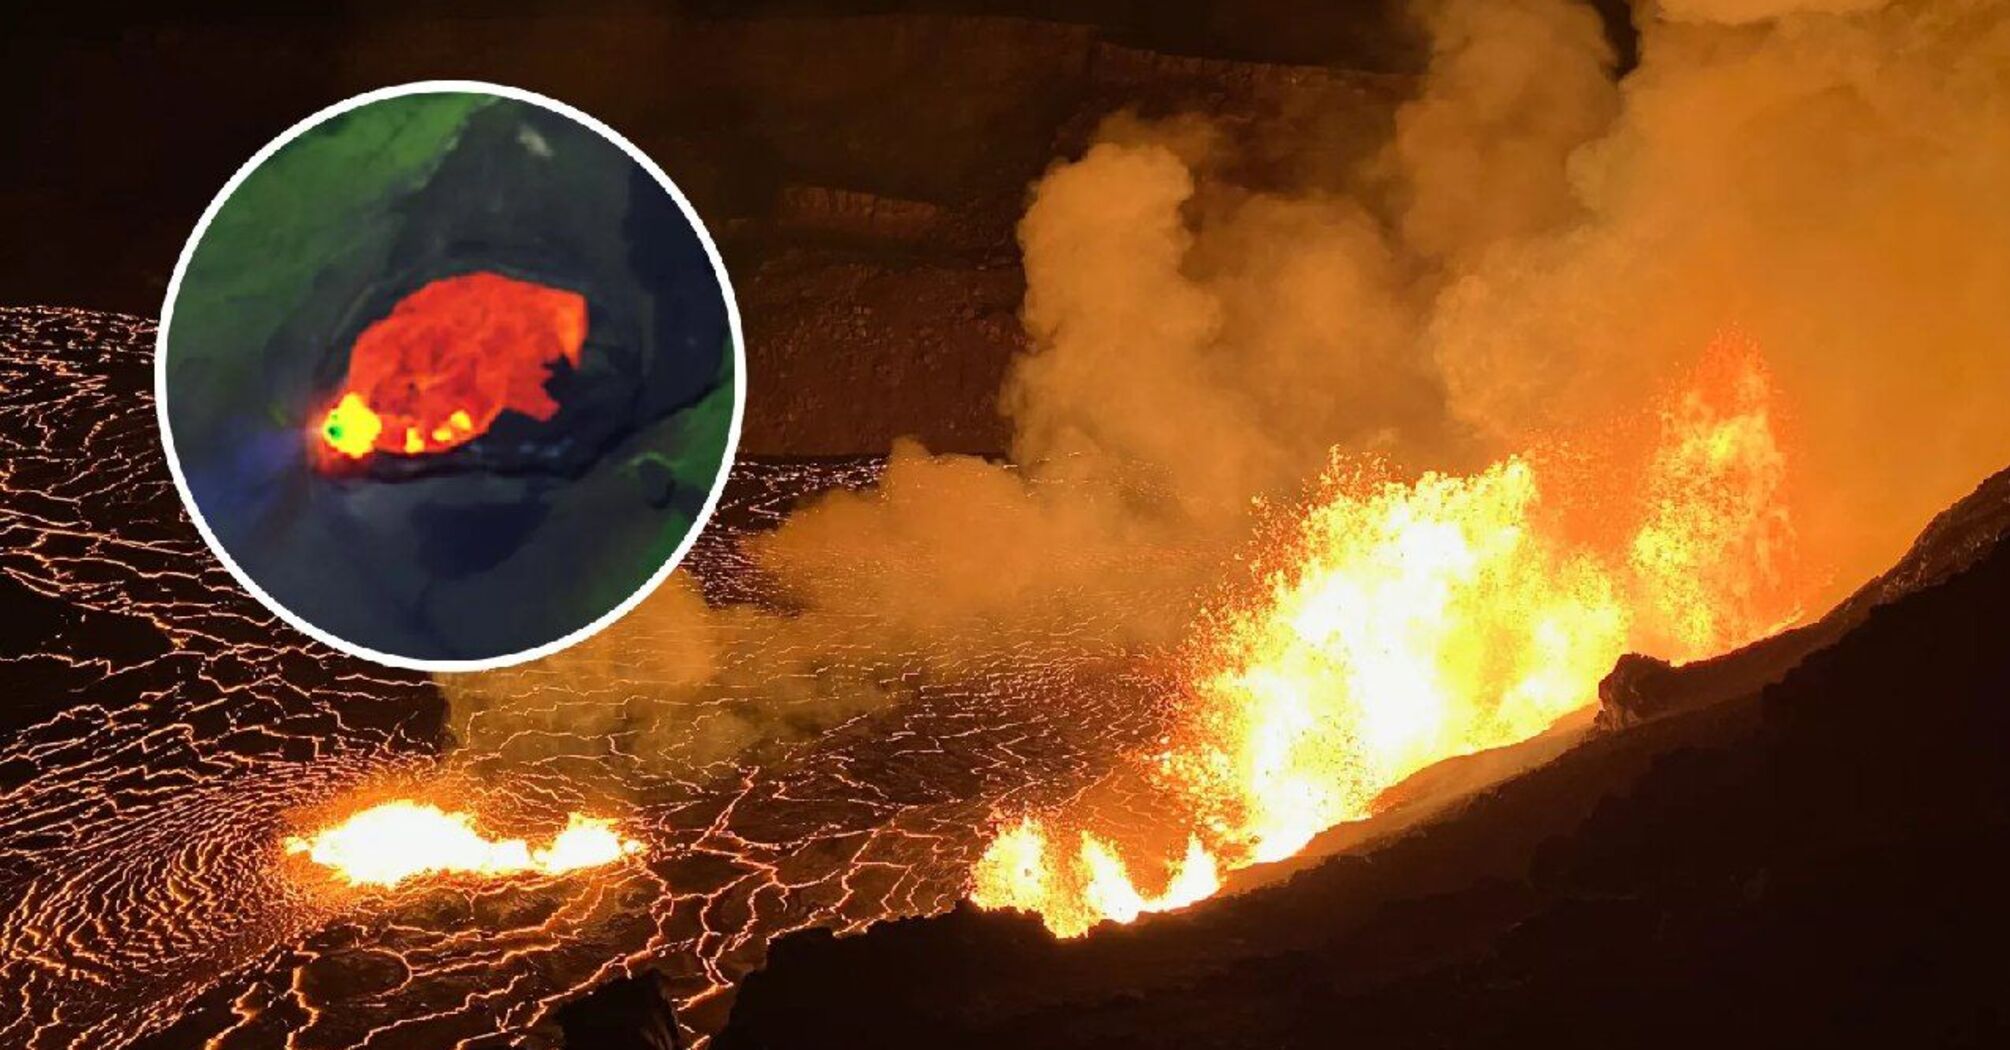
450	375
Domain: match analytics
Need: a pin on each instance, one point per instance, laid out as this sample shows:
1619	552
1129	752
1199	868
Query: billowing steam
1541	247
1827	184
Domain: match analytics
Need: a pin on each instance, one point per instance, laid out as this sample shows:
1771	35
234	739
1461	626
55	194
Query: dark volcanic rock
1637	688
630	1013
1955	539
1819	863
853	354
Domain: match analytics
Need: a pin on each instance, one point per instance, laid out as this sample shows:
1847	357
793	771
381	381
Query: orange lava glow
396	841
1404	623
447	360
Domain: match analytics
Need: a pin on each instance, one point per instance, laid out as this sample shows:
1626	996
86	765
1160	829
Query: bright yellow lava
390	843
350	427
1410	622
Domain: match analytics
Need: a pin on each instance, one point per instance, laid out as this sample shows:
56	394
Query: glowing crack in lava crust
448	359
1404	623
390	843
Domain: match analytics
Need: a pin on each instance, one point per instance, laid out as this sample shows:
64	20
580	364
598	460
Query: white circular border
434	87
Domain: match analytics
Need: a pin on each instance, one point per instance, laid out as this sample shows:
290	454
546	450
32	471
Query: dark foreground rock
628	1013
1819	863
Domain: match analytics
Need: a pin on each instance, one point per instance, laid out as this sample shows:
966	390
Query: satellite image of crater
450	377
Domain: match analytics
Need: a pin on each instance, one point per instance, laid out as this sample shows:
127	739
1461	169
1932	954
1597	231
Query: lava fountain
1402	623
390	843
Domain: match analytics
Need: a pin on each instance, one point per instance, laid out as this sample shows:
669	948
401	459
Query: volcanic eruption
1403	623
1559	355
1340	450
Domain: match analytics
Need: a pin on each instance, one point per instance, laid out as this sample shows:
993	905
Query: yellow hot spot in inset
442	434
461	420
350	427
414	444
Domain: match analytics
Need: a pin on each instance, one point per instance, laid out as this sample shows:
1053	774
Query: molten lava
1714	554
390	843
447	360
1405	623
1019	872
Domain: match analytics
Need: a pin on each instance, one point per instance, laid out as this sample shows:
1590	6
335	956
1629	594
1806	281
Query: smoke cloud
1738	12
1538	247
1827	185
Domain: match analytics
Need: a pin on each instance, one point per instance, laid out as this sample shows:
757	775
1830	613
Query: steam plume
1535	249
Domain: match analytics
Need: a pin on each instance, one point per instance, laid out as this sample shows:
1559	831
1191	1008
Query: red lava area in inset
448	359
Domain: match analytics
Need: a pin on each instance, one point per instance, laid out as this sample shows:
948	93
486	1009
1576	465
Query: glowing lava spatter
1714	557
1407	623
1019	871
448	359
390	843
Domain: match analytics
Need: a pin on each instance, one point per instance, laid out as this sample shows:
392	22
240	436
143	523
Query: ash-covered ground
164	734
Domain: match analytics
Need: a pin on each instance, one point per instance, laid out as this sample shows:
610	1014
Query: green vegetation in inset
316	204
